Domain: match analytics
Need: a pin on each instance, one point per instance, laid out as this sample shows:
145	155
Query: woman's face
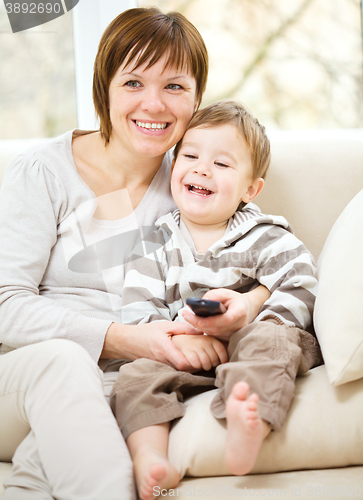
150	108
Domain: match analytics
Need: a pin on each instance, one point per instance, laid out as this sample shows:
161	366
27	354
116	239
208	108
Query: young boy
217	239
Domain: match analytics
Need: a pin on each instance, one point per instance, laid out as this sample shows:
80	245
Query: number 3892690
33	8
334	491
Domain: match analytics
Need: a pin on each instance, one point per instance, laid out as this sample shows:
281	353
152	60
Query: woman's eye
174	86
133	84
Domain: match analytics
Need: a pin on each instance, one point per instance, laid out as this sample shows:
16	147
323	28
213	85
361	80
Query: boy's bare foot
245	430
153	472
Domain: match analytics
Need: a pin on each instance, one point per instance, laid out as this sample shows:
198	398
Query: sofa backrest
312	177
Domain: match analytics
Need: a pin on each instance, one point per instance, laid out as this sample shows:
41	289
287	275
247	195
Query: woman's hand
242	309
202	352
150	340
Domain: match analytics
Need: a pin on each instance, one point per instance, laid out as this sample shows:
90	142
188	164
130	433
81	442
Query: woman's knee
29	362
61	349
56	359
66	354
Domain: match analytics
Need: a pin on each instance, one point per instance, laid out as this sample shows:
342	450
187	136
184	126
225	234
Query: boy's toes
240	390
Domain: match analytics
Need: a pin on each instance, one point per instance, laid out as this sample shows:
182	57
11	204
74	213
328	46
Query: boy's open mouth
201	191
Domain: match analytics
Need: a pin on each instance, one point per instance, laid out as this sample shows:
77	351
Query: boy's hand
202	352
242	309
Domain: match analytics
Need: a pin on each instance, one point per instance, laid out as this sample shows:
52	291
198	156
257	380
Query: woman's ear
253	190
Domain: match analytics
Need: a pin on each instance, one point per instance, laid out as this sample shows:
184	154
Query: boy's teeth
202	191
158	126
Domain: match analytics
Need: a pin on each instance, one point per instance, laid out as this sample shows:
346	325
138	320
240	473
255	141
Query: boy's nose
202	170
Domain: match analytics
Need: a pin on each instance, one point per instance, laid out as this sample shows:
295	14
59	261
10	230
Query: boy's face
212	174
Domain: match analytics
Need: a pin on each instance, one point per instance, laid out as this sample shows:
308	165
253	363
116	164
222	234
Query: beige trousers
266	355
58	429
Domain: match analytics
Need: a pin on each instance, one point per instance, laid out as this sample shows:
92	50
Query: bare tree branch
262	53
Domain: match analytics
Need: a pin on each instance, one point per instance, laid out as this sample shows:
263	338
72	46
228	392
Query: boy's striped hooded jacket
256	249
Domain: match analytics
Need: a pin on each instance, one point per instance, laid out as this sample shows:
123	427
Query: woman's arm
151	340
242	309
31	203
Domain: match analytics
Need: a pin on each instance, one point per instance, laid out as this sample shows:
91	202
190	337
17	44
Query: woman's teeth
152	126
201	191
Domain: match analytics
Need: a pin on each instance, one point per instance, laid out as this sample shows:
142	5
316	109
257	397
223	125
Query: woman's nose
153	101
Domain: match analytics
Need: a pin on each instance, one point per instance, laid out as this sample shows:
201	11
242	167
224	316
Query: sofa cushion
324	429
5	469
338	316
323	484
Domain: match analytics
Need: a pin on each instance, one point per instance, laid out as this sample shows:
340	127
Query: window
296	65
37	79
46	72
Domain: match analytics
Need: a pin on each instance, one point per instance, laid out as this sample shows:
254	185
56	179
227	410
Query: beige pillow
338	317
324	429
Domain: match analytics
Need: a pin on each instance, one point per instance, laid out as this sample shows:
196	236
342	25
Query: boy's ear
253	190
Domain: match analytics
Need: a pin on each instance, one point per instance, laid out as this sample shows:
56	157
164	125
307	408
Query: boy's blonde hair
235	113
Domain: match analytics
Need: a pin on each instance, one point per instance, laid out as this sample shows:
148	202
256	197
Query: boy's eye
193	157
133	84
221	164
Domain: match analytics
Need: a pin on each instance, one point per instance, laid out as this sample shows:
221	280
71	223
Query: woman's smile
152	126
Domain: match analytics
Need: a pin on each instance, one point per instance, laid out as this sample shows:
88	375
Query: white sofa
319	453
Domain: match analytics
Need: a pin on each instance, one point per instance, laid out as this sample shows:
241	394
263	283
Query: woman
69	212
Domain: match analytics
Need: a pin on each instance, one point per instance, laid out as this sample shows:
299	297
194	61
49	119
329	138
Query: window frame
86	35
